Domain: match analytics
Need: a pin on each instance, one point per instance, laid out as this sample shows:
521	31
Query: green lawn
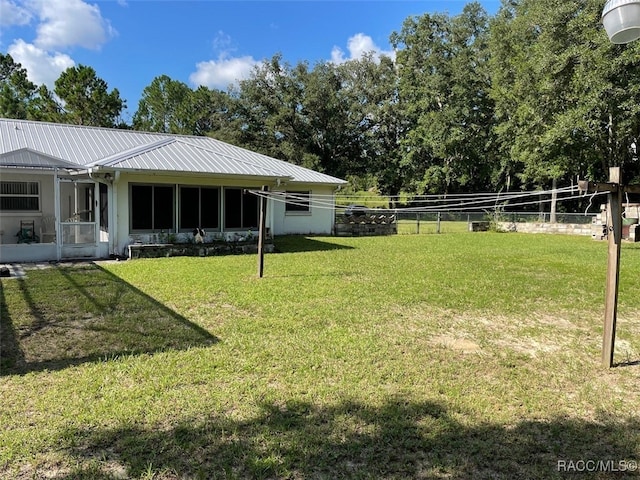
414	356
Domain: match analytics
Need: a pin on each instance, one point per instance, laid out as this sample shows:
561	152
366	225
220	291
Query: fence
409	222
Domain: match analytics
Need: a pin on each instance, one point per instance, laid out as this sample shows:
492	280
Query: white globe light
621	20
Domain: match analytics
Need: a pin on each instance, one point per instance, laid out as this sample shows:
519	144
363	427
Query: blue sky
206	42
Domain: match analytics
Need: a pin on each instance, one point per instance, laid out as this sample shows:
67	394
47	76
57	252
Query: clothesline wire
428	198
495	202
303	200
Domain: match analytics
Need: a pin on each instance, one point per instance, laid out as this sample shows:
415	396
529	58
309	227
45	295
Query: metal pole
263	217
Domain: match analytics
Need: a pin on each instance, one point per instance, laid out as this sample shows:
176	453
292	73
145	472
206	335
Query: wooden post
615	191
261	231
614	237
438	224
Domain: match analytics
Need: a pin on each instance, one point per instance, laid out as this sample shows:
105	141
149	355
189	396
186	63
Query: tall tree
371	90
211	112
44	107
164	107
328	117
567	100
270	109
444	91
15	88
85	98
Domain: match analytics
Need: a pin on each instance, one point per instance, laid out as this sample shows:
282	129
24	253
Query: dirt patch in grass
532	334
459	344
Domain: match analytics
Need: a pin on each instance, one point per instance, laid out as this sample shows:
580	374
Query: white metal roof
25	157
86	147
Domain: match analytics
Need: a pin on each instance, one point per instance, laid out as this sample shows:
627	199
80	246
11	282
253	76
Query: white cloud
222	72
66	23
359	45
222	43
13	14
59	25
42	67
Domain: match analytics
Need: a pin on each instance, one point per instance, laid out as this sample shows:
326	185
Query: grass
413	356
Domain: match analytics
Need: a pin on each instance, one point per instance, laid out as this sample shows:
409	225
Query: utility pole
615	190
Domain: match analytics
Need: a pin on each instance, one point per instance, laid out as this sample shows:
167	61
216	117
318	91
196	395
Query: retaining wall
194	250
559	228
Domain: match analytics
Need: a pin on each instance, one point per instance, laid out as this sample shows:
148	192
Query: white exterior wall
318	221
10	221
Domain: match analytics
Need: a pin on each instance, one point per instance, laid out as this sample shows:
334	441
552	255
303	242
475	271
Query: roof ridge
84	127
132	152
200	147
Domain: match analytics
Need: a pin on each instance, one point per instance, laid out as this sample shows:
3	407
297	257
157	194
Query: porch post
114	226
96	215
57	213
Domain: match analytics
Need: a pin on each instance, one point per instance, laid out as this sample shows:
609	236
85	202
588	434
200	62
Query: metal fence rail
411	222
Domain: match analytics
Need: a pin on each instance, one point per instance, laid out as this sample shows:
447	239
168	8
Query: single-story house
69	191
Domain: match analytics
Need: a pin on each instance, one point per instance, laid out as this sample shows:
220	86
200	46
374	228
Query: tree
444	87
84	98
15	89
212	112
163	107
567	100
271	112
372	92
43	107
329	118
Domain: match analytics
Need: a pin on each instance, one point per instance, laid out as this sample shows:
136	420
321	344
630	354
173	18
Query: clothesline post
261	231
615	189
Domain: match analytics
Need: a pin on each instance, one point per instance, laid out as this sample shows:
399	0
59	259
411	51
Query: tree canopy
15	88
533	95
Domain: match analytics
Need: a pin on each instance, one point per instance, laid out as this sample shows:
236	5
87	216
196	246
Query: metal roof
84	147
26	157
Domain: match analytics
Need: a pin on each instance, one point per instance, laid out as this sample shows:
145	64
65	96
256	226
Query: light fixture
621	20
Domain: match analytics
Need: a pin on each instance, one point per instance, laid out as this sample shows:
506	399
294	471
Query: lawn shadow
300	243
69	315
400	439
10	352
627	363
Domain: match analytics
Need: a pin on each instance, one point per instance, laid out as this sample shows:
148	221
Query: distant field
461	356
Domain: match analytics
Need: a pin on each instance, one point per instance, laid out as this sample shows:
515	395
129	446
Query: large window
19	196
152	207
241	209
298	202
199	207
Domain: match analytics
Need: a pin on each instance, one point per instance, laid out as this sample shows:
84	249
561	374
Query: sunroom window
241	209
152	207
199	207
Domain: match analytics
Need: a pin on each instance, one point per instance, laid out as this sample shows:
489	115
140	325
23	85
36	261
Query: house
69	192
